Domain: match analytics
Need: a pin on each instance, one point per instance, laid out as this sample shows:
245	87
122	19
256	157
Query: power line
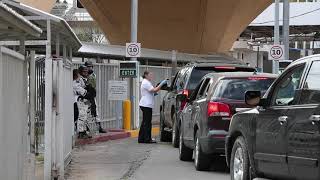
292	17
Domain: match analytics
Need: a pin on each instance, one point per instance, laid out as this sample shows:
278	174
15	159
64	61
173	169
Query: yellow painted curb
135	133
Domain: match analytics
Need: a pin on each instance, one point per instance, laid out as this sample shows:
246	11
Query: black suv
206	117
185	81
281	137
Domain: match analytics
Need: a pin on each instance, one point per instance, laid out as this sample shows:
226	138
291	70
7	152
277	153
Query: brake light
257	78
184	103
224	67
218	109
185	92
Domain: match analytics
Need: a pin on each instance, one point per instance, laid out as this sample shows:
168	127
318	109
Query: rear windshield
199	72
236	88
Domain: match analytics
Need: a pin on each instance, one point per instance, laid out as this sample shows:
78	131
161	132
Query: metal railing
107	109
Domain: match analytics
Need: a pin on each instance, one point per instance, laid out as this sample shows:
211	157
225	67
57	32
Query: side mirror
165	88
182	97
253	98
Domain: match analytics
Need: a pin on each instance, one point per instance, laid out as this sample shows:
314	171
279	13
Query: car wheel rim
173	133
180	143
238	164
197	151
161	126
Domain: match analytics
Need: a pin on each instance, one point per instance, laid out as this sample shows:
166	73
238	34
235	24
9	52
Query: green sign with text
128	69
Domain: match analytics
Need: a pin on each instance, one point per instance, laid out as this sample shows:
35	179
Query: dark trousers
76	115
145	128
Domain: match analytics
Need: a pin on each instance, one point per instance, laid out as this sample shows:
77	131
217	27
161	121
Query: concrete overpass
191	26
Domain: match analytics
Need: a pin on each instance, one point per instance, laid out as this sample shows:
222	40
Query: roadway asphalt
163	163
126	159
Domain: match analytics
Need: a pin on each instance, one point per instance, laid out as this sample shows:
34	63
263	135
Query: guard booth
15	149
50	95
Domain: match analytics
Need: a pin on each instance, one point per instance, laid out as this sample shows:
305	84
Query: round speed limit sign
133	49
276	52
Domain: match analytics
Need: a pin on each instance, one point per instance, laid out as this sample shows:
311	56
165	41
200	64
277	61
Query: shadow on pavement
219	165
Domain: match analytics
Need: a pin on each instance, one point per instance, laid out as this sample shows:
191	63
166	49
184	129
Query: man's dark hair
75	74
88	64
81	68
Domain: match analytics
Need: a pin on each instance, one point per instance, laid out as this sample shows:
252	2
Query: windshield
196	76
236	88
198	73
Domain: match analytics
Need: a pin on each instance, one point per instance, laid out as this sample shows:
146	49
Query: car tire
185	153
239	162
201	160
164	135
175	132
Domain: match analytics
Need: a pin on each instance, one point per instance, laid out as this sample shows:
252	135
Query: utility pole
134	82
275	64
286	25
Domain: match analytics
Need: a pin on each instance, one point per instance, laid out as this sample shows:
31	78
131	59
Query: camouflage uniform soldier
82	102
91	82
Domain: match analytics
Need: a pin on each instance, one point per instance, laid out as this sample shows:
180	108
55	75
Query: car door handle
315	118
283	120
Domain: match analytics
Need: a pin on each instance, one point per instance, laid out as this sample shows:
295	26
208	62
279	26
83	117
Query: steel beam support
275	64
286	25
27	43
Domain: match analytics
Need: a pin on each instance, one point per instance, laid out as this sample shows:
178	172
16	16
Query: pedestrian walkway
110	160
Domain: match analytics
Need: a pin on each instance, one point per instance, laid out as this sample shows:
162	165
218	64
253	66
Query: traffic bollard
127	114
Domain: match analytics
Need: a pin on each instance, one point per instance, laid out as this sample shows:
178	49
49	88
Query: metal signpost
275	64
134	82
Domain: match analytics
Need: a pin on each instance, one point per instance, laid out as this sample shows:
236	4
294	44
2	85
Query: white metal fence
59	126
107	110
13	114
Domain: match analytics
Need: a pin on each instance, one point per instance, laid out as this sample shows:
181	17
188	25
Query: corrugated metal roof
9	13
58	25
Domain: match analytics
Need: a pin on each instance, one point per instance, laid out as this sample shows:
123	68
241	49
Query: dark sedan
205	119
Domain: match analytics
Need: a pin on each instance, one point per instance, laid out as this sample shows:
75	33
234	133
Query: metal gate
40	105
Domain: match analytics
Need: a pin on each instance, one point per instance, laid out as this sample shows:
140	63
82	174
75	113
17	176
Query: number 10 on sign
133	50
276	52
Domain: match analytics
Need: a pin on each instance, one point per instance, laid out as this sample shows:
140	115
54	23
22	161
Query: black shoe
102	130
84	135
151	142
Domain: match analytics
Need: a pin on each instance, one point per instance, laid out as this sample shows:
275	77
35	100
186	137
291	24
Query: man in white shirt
146	105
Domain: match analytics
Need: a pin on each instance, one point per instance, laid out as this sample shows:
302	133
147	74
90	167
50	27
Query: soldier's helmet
88	64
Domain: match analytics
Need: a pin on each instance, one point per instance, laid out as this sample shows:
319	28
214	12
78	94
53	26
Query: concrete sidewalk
112	160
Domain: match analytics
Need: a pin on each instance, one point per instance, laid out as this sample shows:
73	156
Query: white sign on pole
117	90
276	52
133	50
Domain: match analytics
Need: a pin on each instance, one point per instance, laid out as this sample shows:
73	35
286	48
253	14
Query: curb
135	133
111	135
